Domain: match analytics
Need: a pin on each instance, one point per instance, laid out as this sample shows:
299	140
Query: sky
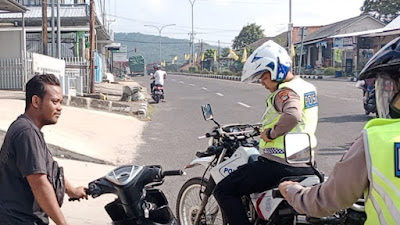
222	20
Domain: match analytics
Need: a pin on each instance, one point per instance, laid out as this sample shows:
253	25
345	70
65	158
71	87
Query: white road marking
173	80
192	85
242	104
181	82
204	88
219	94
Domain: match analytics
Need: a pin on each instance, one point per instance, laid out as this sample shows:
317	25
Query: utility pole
290	30
53	44
92	46
219	52
58	30
192	35
301	48
201	53
44	27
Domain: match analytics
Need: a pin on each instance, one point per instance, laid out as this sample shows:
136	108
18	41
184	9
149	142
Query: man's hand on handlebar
284	186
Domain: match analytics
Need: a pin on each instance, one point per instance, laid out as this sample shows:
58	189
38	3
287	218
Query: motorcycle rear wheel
189	201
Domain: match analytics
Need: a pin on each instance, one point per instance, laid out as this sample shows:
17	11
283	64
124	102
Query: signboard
120	55
338	42
348	42
345	42
46	64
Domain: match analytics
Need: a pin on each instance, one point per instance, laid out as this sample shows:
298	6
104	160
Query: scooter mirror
297	148
207	112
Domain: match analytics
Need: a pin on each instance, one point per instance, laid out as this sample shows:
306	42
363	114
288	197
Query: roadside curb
61	152
103	105
237	78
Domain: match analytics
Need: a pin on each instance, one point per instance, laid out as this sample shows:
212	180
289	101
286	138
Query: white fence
13	73
14	77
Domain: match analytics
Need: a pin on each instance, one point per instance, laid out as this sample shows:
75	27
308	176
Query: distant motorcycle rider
292	106
159	76
372	164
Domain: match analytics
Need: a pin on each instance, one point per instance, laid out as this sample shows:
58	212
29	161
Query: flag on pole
163	63
187	56
292	51
215	55
202	56
244	56
232	55
174	59
195	57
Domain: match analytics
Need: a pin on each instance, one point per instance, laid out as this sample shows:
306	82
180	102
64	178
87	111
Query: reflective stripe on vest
382	154
308	123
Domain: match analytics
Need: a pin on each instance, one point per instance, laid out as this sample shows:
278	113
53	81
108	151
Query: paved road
171	137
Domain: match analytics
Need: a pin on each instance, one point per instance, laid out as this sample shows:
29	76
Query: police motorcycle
235	145
138	201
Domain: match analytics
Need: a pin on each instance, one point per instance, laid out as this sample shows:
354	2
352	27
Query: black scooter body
137	202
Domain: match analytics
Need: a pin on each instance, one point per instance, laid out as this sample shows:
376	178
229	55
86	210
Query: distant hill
149	46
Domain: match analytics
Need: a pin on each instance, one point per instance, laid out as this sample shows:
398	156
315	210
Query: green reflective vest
382	153
309	120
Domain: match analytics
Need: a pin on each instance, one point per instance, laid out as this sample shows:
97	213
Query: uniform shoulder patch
310	99
397	159
284	95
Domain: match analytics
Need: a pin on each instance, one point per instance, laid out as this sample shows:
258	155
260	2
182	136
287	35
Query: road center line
242	104
204	88
181	82
192	85
219	94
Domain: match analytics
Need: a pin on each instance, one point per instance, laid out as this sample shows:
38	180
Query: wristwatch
268	134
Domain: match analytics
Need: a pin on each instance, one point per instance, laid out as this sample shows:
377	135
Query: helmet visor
386	88
255	77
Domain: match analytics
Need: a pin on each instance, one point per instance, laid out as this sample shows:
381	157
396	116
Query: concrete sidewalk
87	135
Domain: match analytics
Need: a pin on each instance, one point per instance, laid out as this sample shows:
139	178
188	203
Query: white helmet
268	57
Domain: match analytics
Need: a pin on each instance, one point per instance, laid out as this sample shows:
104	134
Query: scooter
157	93
230	147
138	202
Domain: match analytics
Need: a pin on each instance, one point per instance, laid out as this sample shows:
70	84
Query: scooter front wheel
188	204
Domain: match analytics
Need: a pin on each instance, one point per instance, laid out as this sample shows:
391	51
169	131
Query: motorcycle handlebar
276	194
173	173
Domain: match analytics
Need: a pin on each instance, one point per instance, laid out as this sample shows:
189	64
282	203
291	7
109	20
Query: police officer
372	164
291	107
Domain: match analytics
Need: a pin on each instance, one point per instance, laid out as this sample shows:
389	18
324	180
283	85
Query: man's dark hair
36	86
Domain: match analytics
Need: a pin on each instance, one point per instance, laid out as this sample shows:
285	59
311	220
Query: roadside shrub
329	71
193	69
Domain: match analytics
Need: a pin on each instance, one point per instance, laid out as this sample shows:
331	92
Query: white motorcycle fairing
203	161
240	157
266	205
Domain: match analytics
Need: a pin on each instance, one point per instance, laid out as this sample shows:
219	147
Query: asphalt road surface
171	137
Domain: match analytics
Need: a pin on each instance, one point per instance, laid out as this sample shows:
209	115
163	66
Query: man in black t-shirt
27	194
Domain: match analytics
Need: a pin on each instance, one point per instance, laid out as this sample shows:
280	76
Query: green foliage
331	70
193	69
224	52
248	35
209	53
385	11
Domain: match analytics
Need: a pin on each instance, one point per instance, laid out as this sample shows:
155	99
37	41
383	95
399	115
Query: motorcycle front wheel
188	204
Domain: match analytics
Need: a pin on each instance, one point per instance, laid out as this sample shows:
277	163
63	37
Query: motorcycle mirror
207	112
297	148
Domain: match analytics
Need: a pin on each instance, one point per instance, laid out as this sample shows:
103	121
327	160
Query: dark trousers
251	178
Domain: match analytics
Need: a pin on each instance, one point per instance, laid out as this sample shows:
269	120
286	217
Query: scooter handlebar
173	173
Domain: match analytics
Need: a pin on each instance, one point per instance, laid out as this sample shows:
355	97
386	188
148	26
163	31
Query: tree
385	11
224	52
248	35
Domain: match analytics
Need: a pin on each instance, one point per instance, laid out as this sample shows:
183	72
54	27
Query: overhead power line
178	26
